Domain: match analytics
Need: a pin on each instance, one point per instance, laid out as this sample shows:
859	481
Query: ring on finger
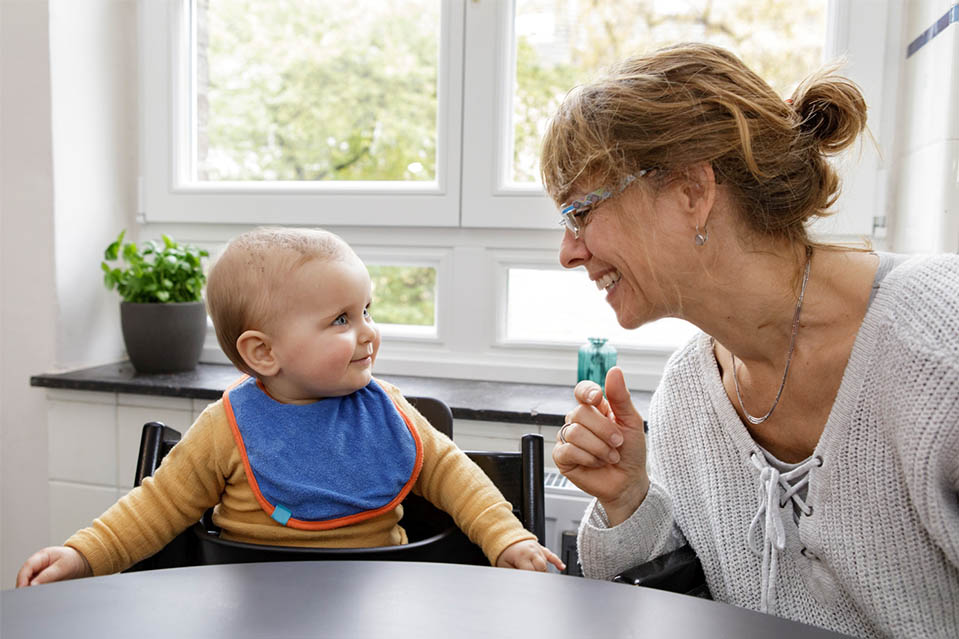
562	432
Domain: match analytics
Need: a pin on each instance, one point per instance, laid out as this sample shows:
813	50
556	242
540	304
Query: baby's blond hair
253	266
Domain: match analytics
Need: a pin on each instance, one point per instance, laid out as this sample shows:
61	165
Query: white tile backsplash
549	434
87	397
478	435
130	421
199	405
82	441
75	506
155	401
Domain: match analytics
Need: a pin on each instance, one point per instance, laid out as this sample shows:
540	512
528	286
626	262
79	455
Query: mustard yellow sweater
205	469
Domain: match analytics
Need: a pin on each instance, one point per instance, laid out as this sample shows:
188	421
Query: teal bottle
596	357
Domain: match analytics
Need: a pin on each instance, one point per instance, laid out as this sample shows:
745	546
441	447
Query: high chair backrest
156	440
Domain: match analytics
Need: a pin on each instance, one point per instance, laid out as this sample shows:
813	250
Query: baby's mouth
607	281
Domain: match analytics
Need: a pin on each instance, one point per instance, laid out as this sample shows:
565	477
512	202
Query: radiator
565	506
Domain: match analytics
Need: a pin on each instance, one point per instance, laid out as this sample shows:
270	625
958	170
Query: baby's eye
340	321
366	312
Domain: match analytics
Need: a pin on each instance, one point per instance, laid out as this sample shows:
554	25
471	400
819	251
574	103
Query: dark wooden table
370	599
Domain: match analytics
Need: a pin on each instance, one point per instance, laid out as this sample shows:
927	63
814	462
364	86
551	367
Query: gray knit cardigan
878	553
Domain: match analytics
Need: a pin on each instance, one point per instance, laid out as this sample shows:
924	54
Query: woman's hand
605	449
55	563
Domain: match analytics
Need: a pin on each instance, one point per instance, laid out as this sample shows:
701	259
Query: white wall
28	312
926	196
93	66
69	148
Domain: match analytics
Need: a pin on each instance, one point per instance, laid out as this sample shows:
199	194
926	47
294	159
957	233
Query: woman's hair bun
831	110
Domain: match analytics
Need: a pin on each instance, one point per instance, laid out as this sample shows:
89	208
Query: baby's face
326	340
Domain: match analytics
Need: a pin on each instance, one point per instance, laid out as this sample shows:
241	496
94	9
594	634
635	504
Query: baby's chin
358	388
367	378
343	391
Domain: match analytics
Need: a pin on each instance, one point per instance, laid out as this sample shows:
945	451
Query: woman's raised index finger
588	392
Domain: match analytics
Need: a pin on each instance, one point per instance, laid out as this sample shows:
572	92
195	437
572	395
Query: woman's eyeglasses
573	215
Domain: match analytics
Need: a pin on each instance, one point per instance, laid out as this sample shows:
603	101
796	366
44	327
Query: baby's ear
254	347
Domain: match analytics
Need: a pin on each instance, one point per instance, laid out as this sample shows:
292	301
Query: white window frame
167	195
491	199
873	63
432	257
475	223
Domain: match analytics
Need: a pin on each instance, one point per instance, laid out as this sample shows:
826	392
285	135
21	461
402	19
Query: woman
826	379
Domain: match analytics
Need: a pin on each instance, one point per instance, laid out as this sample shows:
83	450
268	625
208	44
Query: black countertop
541	404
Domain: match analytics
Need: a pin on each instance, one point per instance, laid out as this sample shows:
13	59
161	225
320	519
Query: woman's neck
751	308
750	300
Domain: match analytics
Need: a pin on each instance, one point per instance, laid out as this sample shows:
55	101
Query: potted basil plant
162	315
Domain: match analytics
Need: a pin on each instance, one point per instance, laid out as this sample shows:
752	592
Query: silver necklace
789	355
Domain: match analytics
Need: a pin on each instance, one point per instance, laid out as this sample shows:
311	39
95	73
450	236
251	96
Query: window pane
565	306
318	90
561	43
404	295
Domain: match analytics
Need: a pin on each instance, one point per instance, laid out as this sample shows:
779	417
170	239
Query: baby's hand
528	555
55	563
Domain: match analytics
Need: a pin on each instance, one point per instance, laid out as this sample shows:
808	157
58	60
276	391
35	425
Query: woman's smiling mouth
608	280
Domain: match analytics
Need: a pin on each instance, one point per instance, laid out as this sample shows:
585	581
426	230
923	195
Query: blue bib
328	464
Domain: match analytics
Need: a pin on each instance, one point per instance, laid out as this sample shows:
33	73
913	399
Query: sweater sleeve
928	445
649	532
921	400
147	518
940	505
452	482
949	522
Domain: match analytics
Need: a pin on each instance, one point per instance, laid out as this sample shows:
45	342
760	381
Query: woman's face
631	246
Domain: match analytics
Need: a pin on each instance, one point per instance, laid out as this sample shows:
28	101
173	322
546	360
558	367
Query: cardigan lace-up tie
776	489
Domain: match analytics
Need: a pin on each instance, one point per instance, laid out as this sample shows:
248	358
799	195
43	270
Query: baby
307	449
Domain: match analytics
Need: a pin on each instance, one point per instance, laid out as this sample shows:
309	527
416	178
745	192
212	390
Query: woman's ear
699	192
254	347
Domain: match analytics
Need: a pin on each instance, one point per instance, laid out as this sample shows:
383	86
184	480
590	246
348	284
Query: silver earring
701	236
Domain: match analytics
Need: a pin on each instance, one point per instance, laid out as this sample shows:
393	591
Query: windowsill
540	404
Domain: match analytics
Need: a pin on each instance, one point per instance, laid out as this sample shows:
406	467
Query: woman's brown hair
695	103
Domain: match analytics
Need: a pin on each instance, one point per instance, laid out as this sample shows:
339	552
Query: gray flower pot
163	338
